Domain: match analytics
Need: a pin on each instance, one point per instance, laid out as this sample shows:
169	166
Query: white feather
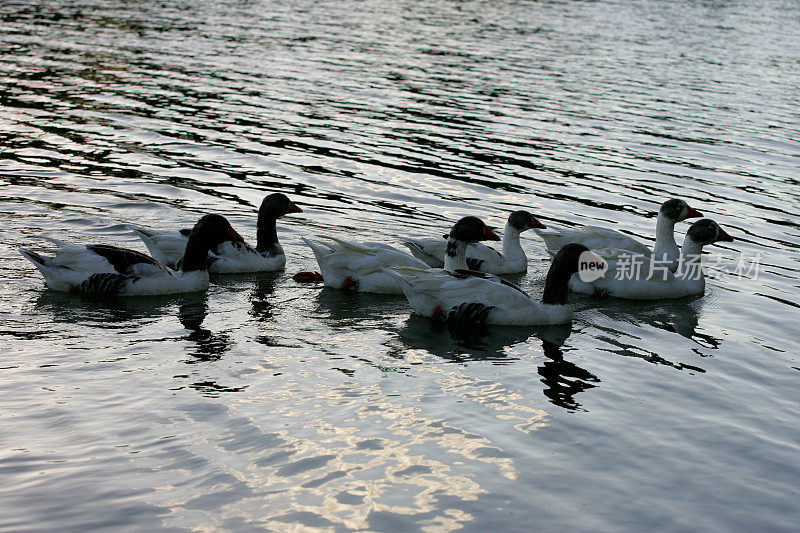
430	290
228	258
361	262
511	261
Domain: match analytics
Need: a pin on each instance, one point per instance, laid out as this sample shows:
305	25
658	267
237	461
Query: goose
360	266
477	297
230	256
638	277
594	237
104	270
479	256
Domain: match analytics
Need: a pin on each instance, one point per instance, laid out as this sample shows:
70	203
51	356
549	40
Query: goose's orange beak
233	235
724	236
293	208
693	213
489	235
535	224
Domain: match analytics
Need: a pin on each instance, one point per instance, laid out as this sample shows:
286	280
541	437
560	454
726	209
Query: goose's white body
362	262
593	237
228	258
165	247
74	264
638	277
433	291
232	257
478	256
665	252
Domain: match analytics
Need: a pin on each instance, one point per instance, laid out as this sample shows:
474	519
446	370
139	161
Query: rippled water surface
269	404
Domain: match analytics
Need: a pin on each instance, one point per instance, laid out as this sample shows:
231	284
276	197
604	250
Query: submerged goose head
565	264
706	231
523	220
209	232
677	210
472	229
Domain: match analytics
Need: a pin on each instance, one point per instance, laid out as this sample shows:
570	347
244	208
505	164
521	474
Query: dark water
268	404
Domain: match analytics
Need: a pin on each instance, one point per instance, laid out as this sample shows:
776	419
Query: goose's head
678	210
706	231
567	260
523	220
472	229
276	205
209	232
213	230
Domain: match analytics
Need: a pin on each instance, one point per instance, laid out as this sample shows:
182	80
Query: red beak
233	235
693	213
293	208
723	236
536	224
489	235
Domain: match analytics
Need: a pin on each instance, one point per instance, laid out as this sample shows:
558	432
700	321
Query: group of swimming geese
452	278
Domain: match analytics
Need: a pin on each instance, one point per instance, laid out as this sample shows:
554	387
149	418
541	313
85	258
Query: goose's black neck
556	288
565	264
267	233
195	257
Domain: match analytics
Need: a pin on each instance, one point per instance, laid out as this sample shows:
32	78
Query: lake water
268	404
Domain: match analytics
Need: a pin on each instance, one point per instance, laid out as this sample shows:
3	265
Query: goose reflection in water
563	379
108	313
681	316
357	310
205	345
267	308
262	296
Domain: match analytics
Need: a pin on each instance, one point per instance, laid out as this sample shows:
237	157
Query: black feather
469	313
474	264
106	284
121	259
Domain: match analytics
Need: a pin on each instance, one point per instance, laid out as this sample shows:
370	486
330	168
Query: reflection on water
105	313
206	345
501	345
680	316
563	379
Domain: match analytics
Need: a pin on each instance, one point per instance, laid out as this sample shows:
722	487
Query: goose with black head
106	270
230	256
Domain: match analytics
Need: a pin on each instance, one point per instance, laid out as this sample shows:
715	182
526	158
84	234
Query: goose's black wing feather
121	258
106	284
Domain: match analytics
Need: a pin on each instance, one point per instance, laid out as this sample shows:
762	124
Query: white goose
477	297
594	237
104	270
361	266
638	277
479	256
230	256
